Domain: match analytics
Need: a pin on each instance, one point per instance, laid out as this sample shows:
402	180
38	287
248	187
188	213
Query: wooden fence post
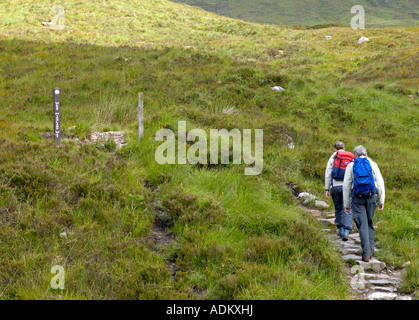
140	116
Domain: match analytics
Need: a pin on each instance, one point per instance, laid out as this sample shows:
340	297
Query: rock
349	244
386	289
373	264
383	282
346	251
327	222
321	204
303	194
359	291
363	39
375	276
404	298
381	296
117	136
306	197
278	88
351	257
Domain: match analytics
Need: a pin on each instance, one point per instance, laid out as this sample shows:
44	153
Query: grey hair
339	145
360	151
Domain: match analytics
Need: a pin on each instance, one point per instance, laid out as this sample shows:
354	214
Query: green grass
237	236
378	14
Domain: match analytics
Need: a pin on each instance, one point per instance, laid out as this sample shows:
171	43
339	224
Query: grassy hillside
378	13
235	236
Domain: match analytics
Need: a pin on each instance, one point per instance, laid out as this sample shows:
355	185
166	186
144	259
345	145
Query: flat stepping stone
346	251
386	289
349	244
360	291
376	276
382	296
327	221
383	282
354	235
351	257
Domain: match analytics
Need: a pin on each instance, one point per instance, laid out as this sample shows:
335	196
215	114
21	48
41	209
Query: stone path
371	280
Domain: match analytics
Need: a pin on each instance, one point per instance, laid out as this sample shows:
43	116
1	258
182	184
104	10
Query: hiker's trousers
363	212
343	219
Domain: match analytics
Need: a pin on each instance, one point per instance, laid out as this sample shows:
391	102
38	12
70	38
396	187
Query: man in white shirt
363	206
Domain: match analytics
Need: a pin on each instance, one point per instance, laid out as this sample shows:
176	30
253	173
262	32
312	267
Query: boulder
363	39
306	197
321	204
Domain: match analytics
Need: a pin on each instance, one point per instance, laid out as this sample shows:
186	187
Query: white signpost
57	116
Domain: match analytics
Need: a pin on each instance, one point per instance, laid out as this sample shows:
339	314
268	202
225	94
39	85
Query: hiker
335	172
364	180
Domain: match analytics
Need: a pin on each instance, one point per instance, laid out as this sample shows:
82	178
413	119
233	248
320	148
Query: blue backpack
364	185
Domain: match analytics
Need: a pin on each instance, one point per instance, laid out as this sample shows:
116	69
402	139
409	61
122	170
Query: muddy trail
160	236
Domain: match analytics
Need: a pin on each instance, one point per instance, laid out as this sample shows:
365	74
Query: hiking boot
366	258
345	235
340	232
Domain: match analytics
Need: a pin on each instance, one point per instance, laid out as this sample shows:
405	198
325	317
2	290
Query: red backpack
343	158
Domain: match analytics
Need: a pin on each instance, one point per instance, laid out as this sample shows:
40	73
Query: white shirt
349	178
328	174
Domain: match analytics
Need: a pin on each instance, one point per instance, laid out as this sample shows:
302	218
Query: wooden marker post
57	116
140	116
